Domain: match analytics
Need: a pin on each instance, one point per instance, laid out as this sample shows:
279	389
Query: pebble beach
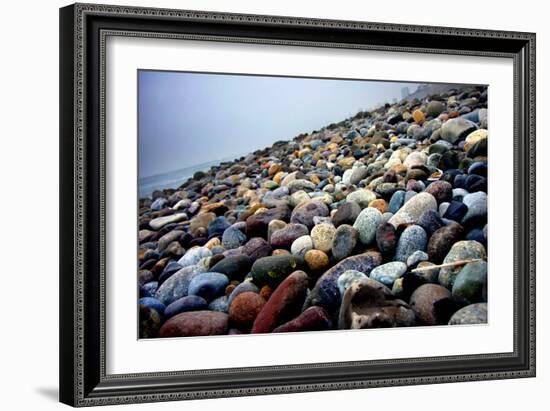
377	221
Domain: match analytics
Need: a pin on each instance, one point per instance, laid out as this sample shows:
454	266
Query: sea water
174	179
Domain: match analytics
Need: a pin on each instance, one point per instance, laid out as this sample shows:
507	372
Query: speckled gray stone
367	223
194	255
301	245
471	314
177	285
417	257
412	239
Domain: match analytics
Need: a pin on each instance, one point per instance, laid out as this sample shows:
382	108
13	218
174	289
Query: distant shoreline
174	179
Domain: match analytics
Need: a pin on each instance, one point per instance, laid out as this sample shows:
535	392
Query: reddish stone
386	239
266	292
229	289
313	319
441	190
244	309
195	323
284	304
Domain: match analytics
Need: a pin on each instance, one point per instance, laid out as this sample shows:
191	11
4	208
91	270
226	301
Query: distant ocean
174	179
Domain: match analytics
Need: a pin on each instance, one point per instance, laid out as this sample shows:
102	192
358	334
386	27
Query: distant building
405	92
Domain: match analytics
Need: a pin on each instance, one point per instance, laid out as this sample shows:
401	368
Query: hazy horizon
187	119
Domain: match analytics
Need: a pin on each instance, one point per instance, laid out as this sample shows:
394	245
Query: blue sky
187	119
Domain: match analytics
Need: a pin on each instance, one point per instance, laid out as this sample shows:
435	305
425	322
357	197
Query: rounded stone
456	211
200	222
477	208
470	285
217	226
316	260
441	190
244	309
266	292
417	257
430	221
344	241
442	240
457	128
220	304
412	239
474	137
273	226
256	224
246	285
304	213
326	294
478	168
396	202
194	255
322	236
389	272
380	204
177	285
425	300
188	303
208	285
256	248
149	289
346	213
412	210
274	269
235	267
477	234
301	245
435	108
312	319
347	278
362	197
386	239
416	158
471	314
195	323
284	237
479	149
367	223
418	116
284	304
233	238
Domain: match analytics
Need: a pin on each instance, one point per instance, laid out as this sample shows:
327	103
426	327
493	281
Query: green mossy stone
470	284
274	269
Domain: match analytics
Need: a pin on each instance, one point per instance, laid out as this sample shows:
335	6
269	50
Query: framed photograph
261	204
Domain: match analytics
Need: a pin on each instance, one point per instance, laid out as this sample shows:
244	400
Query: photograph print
272	204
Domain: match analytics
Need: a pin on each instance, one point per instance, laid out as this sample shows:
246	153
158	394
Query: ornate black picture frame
83	30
